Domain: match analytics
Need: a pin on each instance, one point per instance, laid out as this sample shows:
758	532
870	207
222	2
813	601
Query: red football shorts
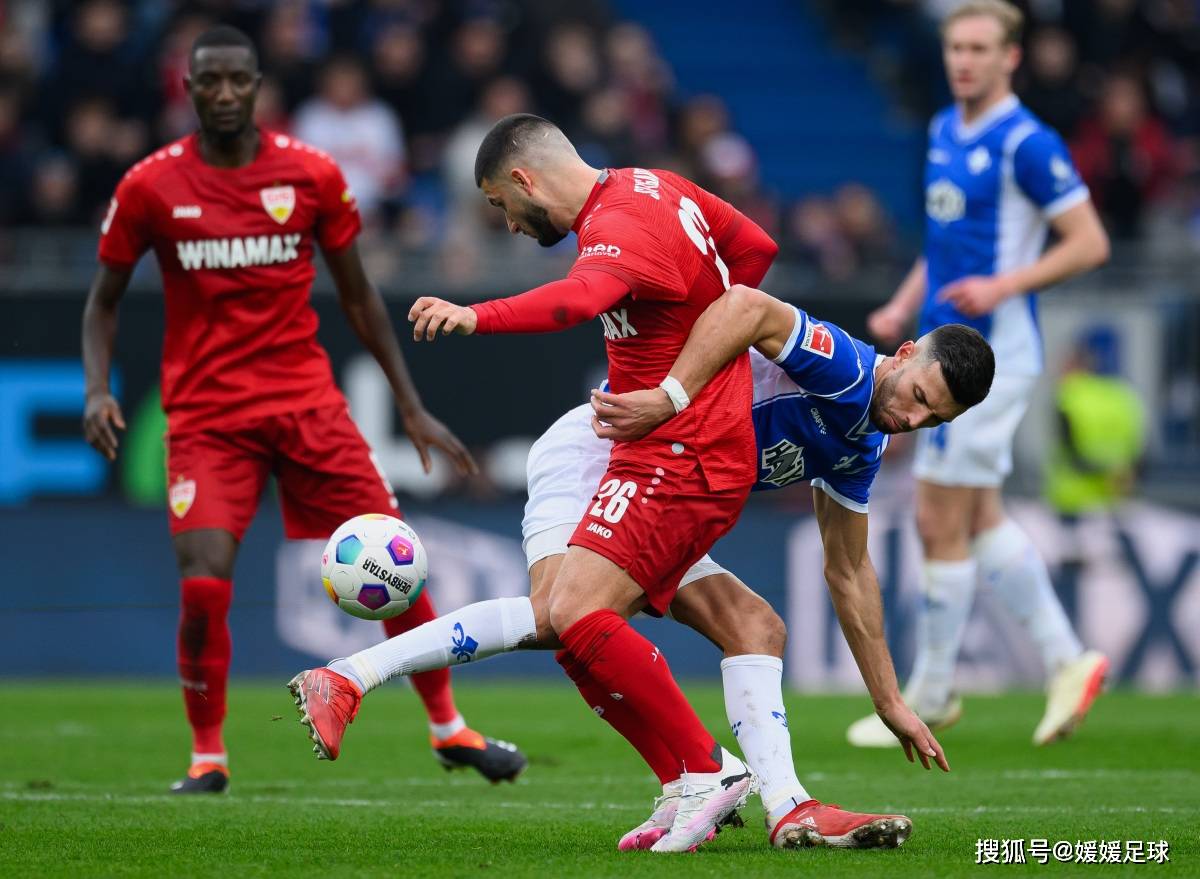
655	519
325	471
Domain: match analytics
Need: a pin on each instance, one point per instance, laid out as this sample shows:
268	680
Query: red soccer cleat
328	703
816	823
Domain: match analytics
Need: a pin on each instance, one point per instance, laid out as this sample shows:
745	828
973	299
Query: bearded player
233	214
824	406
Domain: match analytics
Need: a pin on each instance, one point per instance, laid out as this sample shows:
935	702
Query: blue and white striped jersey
990	189
811	414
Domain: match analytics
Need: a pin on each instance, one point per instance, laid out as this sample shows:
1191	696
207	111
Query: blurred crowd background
399	92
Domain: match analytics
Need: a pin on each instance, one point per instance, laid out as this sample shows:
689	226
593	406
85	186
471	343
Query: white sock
1015	572
445	730
754	705
949	589
477	631
221	759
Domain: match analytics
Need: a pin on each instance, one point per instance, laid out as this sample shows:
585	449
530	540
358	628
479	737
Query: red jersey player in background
233	214
648	266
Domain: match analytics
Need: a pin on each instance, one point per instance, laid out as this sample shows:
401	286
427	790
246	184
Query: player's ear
905	351
521	180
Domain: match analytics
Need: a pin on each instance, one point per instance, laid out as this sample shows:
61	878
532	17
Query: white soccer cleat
1070	695
870	731
656	826
707	800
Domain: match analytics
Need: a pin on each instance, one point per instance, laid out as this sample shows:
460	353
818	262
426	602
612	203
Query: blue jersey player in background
997	181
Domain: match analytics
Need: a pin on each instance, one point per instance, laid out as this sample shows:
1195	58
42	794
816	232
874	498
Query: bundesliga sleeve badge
279	202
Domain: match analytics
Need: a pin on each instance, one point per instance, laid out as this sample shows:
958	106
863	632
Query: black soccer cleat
495	760
203	778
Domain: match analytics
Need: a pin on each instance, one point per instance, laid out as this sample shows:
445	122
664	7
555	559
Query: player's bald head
521	139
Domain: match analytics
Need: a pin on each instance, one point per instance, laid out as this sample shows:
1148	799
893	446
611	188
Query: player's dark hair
507	139
221	36
968	364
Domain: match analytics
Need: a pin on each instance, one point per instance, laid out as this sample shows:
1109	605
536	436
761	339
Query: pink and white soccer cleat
707	801
656	826
814	823
328	703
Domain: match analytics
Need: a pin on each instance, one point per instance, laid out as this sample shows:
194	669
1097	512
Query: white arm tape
678	396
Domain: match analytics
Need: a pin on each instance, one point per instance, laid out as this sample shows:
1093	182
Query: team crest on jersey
818	340
945	202
785	463
978	160
181	496
279	202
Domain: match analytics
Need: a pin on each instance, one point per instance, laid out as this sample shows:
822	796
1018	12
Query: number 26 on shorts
618	494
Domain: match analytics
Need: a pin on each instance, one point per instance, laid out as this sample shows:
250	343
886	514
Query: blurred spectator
15	157
286	51
54	193
1123	153
362	133
1051	80
866	227
478	52
269	110
470	217
96	60
95	140
644	78
572	73
177	117
818	237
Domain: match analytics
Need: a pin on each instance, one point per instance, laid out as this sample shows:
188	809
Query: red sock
622	718
432	686
203	652
621	661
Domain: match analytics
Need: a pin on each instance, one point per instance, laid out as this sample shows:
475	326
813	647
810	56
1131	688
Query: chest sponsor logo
609	250
237	253
979	160
784	462
616	325
945	202
279	202
186	212
181	496
818	340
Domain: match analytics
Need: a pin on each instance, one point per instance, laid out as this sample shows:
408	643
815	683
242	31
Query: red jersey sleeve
558	305
338	220
124	233
624	244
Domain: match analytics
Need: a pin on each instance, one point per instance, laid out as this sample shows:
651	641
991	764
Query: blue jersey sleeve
820	357
851	489
1043	169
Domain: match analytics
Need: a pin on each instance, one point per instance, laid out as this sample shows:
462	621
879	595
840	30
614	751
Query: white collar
998	111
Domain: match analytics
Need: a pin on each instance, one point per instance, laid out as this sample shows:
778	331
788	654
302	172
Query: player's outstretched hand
887	324
101	414
424	430
975	295
429	315
914	735
629	416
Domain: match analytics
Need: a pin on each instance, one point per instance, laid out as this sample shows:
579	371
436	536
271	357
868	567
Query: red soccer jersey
649	229
235	246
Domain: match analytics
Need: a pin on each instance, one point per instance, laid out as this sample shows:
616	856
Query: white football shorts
975	449
564	470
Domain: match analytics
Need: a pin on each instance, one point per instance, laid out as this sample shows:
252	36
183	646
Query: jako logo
237	253
464	645
375	569
600	250
596	528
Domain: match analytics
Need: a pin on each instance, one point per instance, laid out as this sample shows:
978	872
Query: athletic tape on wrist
676	393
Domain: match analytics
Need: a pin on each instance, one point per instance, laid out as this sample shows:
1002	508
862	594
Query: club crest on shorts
181	495
279	202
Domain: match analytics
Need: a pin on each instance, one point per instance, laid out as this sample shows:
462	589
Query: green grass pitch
84	769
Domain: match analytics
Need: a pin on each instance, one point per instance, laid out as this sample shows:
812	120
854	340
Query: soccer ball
374	567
